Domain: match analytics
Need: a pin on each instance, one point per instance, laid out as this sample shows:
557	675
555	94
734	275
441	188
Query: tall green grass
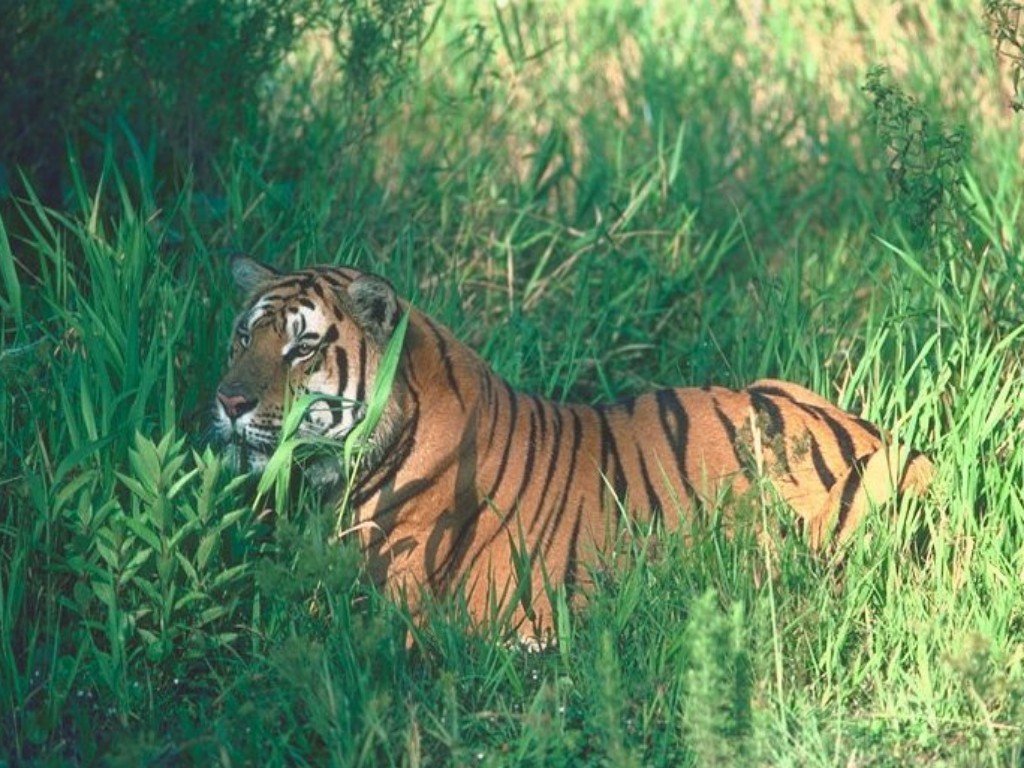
601	198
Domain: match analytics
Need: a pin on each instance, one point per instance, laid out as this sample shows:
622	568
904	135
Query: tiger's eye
303	351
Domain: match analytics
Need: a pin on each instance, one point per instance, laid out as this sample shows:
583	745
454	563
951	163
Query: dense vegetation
601	197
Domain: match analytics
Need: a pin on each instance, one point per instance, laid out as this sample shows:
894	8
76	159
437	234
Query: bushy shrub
187	79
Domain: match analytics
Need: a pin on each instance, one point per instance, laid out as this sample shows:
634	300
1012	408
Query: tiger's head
319	331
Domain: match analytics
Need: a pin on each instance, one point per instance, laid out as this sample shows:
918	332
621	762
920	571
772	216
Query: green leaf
188	599
144	532
175	489
148	636
206	545
104	592
9	280
279	463
229	575
212	613
109	555
382	384
187	566
149	590
230	518
134	564
136	488
145	461
71	488
182	531
88	413
78	455
81	566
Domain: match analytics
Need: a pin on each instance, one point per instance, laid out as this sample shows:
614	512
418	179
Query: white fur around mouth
257	461
245	458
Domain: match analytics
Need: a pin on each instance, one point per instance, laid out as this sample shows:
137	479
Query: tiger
464	479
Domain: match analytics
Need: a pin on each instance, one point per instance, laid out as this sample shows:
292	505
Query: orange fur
466	474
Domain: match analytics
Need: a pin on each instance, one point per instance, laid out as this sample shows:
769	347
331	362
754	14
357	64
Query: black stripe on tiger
572	560
868	427
842	436
745	457
488	498
539	406
330	335
849	491
492	402
513	416
628	405
318	290
555	449
765	405
297	281
361	380
553	520
610	456
774	430
844	440
486	389
442	350
531	453
820	466
669	410
336	280
654	505
864	424
341	369
768	389
392	462
465	498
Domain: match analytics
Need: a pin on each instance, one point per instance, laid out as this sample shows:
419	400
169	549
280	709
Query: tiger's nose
234	403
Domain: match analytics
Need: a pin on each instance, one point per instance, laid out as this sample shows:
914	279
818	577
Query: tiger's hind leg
871	481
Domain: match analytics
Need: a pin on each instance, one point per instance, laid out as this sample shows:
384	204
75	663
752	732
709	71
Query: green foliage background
601	197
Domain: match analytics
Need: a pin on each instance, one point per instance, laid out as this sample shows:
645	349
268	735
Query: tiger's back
466	476
526	475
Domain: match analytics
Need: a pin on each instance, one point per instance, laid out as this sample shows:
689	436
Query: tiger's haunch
465	476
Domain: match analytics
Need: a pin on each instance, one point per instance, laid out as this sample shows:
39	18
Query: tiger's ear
250	275
374	306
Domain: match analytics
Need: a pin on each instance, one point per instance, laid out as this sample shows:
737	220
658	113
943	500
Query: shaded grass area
602	199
